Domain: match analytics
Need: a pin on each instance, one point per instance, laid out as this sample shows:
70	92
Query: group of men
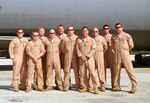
89	57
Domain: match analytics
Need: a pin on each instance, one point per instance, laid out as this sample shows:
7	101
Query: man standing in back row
122	43
18	57
109	55
61	34
43	38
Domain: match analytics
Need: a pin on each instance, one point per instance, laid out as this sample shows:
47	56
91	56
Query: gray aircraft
32	14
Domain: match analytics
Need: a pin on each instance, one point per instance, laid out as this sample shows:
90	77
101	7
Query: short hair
61	25
118	24
41	28
52	29
106	25
85	27
34	32
20	29
69	27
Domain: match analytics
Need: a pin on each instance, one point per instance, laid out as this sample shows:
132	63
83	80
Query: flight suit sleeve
104	45
62	46
112	42
42	51
28	51
59	45
130	42
11	49
93	47
77	49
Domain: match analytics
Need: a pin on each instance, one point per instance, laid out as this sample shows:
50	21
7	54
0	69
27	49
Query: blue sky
133	14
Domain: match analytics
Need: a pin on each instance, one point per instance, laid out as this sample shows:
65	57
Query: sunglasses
20	32
51	33
118	27
70	29
105	28
95	31
36	35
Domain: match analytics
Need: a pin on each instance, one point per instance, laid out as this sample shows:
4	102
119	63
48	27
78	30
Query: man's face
95	32
85	32
20	33
41	32
35	36
51	34
61	30
106	30
119	28
70	30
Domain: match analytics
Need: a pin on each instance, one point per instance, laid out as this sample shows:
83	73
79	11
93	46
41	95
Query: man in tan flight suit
53	60
122	43
35	50
109	54
61	34
18	57
70	58
101	47
85	50
43	38
61	31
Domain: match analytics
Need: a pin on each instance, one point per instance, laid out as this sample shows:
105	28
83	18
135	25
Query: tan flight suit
108	59
70	60
101	47
122	45
53	62
35	49
44	40
62	54
86	47
17	51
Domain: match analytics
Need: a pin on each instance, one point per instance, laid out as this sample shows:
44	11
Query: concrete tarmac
7	95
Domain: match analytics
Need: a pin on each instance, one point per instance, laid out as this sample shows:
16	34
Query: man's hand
35	60
14	61
83	58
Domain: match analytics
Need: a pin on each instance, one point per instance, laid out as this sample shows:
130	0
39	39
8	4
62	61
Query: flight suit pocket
67	47
125	47
66	60
56	48
15	46
49	48
99	46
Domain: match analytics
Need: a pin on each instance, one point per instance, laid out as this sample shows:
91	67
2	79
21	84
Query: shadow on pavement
4	87
9	67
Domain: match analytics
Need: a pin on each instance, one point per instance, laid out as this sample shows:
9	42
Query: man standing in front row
43	39
122	43
35	50
70	58
18	57
85	50
101	47
53	61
